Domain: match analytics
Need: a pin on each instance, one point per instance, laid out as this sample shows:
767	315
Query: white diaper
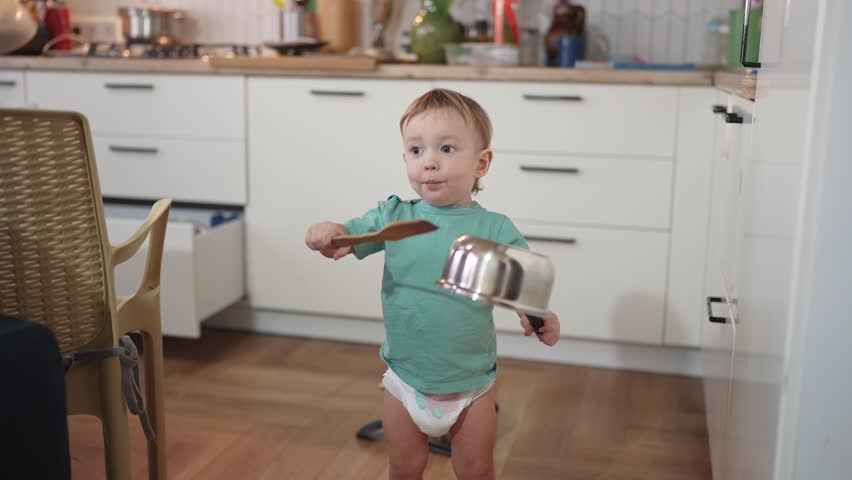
433	413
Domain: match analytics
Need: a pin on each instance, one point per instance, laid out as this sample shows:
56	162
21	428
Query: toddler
440	347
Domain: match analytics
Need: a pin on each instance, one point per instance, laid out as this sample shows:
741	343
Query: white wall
656	30
817	435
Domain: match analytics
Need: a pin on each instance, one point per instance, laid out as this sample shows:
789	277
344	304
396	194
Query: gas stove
178	51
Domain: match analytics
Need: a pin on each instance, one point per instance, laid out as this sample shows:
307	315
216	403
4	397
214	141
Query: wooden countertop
738	81
397	71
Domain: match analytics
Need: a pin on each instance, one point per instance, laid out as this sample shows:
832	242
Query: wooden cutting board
327	62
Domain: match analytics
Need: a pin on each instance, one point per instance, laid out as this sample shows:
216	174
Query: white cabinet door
609	285
718	330
320	150
12	89
691	206
739	137
725	229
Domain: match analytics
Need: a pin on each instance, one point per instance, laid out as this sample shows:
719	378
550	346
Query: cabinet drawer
184	170
566	189
578	118
203	267
610	284
142	104
12	89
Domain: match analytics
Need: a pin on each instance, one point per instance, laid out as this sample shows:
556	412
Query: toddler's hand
319	238
549	331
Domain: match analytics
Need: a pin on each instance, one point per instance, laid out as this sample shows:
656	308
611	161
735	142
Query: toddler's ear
484	163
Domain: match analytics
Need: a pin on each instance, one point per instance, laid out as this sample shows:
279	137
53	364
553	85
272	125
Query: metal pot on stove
150	24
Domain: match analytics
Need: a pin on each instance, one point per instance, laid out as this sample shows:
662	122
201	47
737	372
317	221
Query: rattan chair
56	267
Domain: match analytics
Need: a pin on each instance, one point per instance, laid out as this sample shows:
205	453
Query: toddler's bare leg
407	450
473	438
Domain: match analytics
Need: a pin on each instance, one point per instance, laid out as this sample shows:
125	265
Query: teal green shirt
435	340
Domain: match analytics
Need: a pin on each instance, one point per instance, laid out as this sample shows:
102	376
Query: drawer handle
559	98
719	109
121	149
535	238
733	118
710	316
8	83
337	93
568	170
129	86
744	45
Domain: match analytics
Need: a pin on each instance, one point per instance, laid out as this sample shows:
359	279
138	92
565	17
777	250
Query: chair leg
155	403
114	422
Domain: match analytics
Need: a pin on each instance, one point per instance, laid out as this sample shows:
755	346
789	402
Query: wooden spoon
391	232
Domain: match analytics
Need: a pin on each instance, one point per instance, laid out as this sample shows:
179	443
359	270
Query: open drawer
203	265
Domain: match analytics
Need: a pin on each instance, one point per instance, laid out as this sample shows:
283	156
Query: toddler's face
443	157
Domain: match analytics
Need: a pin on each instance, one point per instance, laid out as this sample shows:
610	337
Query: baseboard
622	356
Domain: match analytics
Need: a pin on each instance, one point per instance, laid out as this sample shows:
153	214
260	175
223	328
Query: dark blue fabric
33	421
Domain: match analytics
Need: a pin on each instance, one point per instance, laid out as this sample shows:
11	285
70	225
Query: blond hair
470	111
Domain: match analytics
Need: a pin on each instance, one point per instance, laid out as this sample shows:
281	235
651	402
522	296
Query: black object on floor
372	432
33	421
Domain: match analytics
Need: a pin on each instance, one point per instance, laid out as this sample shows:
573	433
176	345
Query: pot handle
537	323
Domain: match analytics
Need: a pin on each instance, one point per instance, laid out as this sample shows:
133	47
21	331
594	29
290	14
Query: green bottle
433	27
735	38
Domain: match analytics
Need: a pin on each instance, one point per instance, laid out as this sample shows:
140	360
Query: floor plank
270	407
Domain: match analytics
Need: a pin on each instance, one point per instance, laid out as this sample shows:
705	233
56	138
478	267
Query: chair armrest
153	228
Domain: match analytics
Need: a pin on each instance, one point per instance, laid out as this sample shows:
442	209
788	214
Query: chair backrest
53	245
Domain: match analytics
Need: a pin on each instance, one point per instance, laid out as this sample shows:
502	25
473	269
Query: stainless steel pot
17	26
154	25
500	274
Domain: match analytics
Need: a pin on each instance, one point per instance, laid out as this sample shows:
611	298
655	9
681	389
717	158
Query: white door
772	171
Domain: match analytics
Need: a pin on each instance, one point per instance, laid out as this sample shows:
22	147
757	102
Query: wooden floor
242	406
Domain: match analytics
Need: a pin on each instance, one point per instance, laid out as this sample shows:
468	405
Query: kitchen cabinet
603	290
622	170
726	215
600	207
778	259
689	216
12	89
167	136
321	150
719	331
176	136
625	163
